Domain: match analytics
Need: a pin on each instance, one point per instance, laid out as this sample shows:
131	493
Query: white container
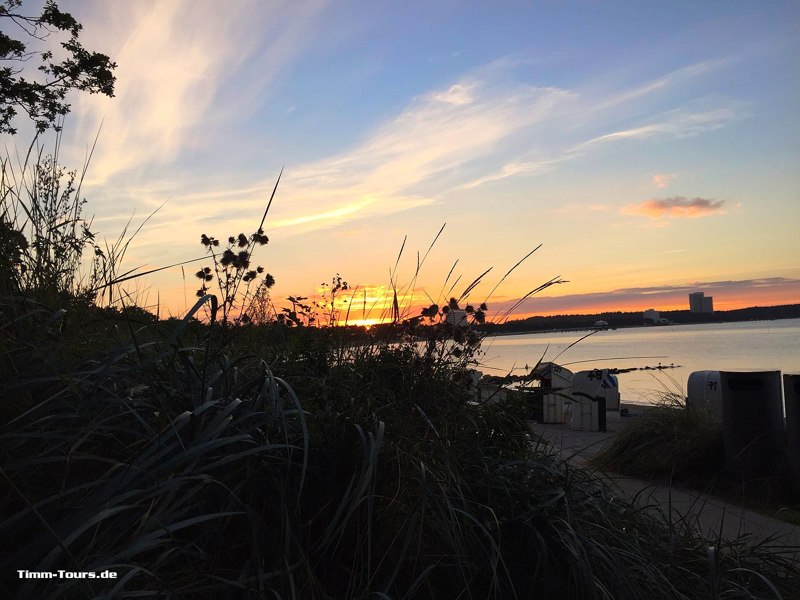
585	415
588	400
610	387
553	408
704	392
556	381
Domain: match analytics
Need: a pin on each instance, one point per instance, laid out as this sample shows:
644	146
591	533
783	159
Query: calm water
750	346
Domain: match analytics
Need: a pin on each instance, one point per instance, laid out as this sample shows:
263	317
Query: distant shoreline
627	320
643	326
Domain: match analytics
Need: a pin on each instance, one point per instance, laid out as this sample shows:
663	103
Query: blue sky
644	144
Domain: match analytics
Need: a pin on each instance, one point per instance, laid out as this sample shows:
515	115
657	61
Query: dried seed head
259	238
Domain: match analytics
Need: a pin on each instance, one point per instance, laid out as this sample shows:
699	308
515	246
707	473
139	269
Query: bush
667	442
347	471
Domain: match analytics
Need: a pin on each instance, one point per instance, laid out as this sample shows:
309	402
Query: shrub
667	442
347	472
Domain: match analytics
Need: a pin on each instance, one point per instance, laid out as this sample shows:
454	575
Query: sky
651	148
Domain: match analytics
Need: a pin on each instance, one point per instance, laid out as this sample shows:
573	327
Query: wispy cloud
434	137
404	163
512	169
334	214
482	127
678	123
592	109
663	180
458	94
445	136
678	77
176	65
677	207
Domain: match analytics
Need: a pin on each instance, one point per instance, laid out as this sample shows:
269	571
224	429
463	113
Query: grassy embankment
247	459
670	443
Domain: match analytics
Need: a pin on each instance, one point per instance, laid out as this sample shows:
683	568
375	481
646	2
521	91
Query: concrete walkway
714	516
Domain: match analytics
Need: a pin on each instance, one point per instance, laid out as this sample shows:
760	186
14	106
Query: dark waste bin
752	421
791	397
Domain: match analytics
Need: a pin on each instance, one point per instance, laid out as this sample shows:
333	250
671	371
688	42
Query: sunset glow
651	149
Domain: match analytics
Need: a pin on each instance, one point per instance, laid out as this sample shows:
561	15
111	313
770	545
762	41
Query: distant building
651	315
696	302
700	303
600	325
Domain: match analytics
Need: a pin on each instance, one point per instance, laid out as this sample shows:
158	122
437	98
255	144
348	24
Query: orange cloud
675	208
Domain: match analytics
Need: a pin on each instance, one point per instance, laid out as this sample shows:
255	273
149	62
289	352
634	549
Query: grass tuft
665	442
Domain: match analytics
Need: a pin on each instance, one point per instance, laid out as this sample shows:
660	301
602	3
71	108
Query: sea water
746	346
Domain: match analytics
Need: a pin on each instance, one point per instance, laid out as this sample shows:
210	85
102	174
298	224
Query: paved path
712	514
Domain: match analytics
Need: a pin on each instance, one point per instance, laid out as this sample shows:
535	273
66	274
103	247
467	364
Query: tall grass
42	227
668	441
368	472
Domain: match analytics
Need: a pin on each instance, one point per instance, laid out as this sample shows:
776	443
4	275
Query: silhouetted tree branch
43	98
